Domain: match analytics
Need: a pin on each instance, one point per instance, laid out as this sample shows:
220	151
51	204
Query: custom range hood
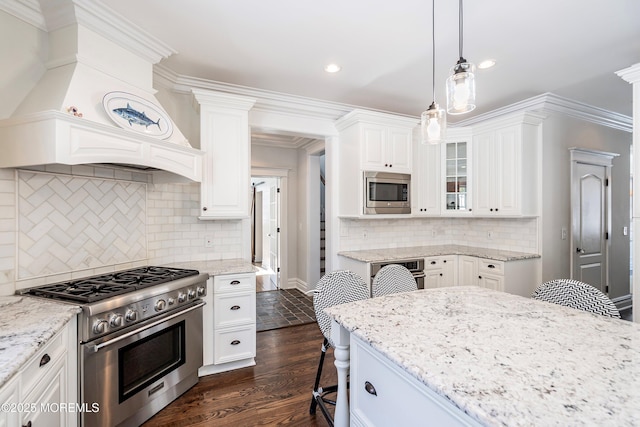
95	102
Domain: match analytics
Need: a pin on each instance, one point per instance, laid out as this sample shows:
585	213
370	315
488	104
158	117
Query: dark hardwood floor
277	391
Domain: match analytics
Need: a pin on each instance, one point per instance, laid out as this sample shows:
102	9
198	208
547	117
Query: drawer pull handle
433	263
235	342
235	282
370	388
45	359
491	266
235	307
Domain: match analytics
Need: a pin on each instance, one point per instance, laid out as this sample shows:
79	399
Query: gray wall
559	134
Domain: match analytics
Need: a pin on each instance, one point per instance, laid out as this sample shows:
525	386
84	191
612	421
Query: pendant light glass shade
433	121
433	125
461	88
461	84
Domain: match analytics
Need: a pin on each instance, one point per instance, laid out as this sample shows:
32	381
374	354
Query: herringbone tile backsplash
68	223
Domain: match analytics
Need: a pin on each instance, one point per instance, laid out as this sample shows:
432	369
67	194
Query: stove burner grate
103	286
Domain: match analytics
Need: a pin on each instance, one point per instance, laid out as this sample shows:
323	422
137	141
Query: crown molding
630	74
266	100
26	10
551	103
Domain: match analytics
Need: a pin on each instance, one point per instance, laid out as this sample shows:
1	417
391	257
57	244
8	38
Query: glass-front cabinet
457	175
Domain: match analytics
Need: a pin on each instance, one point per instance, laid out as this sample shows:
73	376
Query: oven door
133	375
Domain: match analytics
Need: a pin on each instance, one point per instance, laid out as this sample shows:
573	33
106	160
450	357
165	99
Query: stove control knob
182	297
201	291
131	315
171	301
191	293
116	320
100	327
160	305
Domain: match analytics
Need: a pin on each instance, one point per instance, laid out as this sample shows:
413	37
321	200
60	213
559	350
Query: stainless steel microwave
387	193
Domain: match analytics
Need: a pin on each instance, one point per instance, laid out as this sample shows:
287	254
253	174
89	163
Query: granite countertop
391	254
505	359
218	267
26	324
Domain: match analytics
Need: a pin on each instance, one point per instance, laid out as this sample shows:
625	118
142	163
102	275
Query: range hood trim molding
53	137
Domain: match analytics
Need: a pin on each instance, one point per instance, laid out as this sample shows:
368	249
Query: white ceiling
569	47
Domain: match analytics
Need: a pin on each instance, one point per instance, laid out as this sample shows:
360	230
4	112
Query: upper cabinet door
456	165
225	139
386	148
506	167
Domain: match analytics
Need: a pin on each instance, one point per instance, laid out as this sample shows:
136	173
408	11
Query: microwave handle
137	331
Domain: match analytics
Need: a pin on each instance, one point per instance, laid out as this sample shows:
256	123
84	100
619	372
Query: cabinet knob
479	277
444	260
496	209
204	208
45	359
440	274
491	210
386	165
370	388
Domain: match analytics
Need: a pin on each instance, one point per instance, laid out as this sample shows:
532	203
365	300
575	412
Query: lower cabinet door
46	399
382	394
237	343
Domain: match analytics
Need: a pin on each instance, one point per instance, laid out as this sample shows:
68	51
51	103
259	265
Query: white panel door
274	234
589	225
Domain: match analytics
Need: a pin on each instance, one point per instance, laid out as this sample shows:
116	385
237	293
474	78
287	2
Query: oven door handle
137	331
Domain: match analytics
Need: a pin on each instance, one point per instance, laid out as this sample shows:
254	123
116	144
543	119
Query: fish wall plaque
137	114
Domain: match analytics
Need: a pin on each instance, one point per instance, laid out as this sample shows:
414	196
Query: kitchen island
484	357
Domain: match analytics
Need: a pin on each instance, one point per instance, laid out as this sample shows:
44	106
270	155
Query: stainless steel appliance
415	266
140	334
387	193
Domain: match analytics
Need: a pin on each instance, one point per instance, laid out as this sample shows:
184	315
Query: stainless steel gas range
140	339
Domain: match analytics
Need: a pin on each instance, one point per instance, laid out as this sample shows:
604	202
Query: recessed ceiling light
332	68
488	63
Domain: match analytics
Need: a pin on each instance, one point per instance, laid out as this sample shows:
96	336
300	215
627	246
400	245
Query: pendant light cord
460	27
433	46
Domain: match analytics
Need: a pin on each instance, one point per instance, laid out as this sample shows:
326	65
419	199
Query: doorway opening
265	232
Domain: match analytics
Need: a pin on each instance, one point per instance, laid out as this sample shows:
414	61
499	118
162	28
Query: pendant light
433	122
461	84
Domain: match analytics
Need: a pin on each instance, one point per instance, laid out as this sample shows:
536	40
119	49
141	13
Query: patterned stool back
576	294
391	279
337	287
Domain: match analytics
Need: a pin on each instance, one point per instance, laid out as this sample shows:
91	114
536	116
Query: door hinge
278	271
278	190
606	289
606	182
606	235
278	229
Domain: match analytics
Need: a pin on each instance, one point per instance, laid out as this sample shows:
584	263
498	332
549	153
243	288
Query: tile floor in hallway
283	308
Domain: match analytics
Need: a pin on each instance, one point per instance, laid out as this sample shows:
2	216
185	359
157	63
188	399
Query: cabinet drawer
399	400
234	309
234	282
40	365
434	262
234	344
490	266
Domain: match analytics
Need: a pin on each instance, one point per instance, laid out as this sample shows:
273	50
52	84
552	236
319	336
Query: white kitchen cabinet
229	327
518	277
47	381
457	175
425	180
440	271
382	394
10	395
370	141
505	165
385	148
225	140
